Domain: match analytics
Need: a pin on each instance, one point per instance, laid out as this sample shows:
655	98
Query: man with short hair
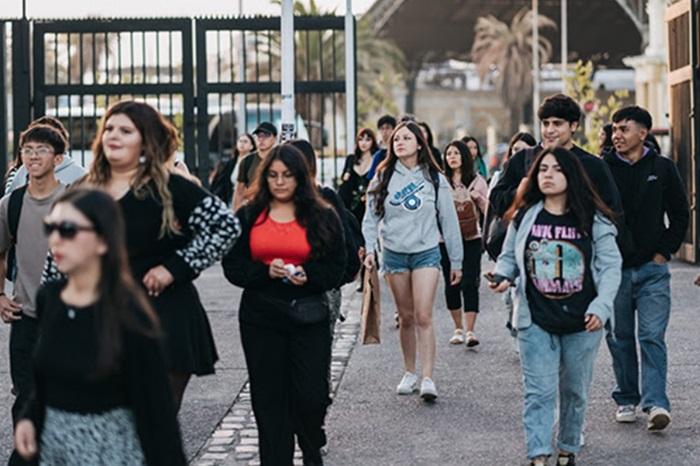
266	137
385	128
559	117
651	189
22	214
67	171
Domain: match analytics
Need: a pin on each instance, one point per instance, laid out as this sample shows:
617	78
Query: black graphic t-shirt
559	281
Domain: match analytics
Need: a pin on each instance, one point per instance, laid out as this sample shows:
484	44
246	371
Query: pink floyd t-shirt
559	282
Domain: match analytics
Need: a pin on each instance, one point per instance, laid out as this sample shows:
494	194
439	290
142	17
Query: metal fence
213	78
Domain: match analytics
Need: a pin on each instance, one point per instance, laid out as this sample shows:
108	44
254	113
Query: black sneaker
568	459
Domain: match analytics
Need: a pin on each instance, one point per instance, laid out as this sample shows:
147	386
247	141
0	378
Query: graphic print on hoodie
409	197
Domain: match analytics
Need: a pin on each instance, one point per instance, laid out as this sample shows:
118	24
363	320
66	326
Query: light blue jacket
606	266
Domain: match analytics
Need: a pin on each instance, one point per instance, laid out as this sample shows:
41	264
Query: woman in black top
174	230
354	178
428	136
102	394
286	259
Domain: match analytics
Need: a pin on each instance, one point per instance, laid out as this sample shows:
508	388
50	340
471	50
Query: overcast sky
131	8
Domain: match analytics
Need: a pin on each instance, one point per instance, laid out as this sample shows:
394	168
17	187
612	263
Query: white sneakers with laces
659	418
408	384
626	414
427	389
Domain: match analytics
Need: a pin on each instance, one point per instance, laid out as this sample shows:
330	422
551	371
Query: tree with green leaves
503	53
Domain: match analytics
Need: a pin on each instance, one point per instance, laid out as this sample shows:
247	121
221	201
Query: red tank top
271	240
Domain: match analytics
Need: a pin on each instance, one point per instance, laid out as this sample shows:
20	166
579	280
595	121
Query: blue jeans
552	363
645	293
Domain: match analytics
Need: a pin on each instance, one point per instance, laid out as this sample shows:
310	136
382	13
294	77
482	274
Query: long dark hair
375	147
310	209
527	138
467	139
582	199
250	137
466	171
118	292
385	170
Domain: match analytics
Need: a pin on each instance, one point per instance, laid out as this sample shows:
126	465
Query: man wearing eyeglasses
22	236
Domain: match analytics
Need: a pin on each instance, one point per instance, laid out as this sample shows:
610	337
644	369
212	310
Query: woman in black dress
354	178
174	230
102	393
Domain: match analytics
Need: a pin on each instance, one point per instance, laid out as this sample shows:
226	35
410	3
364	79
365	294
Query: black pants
23	335
471	271
288	369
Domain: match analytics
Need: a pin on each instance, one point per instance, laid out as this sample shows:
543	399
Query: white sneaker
408	384
458	337
659	418
472	341
427	389
626	413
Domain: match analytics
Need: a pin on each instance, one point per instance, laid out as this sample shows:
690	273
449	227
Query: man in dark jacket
651	190
559	118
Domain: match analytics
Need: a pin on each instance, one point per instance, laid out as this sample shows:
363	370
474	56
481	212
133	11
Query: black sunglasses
65	229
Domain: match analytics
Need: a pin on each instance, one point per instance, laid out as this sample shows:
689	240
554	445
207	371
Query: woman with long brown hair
409	206
288	256
561	243
174	229
102	394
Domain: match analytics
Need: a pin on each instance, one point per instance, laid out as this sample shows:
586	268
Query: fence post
21	79
350	79
288	59
3	101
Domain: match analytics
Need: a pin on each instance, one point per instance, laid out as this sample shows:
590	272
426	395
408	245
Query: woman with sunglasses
102	394
174	229
561	243
285	261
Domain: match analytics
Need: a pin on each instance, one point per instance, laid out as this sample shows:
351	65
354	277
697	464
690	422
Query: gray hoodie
67	172
409	224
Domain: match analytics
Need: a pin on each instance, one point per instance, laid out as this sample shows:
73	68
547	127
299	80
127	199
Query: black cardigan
140	385
324	273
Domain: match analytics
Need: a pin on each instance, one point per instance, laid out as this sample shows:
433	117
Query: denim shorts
397	262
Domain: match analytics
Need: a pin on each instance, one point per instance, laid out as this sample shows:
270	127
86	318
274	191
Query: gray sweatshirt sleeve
370	222
450	225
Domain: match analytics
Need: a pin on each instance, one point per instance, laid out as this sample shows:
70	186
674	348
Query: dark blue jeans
643	302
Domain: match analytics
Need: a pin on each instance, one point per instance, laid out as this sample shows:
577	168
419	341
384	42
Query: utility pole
350	84
288	130
564	42
535	67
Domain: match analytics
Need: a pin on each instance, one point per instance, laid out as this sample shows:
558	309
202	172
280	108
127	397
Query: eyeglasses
65	229
40	151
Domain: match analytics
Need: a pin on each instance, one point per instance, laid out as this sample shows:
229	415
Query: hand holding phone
497	283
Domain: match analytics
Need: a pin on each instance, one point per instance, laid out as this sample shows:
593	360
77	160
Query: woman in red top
290	252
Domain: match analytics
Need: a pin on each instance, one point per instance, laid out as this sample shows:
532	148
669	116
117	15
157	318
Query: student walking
285	261
266	138
477	156
223	177
561	243
385	128
656	214
23	249
174	230
409	204
102	394
353	187
469	192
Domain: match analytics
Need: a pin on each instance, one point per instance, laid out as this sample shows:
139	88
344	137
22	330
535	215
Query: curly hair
385	170
159	142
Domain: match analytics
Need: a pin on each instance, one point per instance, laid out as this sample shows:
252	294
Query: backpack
495	227
14	210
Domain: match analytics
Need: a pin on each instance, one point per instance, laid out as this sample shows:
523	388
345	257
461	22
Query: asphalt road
477	417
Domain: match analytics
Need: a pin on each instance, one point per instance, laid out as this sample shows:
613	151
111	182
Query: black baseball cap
266	127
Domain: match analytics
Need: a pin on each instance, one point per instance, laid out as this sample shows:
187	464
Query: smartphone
495	279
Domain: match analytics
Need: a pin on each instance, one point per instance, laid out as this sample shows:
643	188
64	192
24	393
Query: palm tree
504	53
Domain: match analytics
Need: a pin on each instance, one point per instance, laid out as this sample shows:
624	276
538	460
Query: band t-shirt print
559	281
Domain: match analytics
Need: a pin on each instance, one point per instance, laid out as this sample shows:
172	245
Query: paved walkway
476	419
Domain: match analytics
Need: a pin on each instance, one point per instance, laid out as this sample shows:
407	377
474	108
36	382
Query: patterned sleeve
51	274
213	230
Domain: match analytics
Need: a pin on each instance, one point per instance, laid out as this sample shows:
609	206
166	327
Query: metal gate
232	82
81	67
682	24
